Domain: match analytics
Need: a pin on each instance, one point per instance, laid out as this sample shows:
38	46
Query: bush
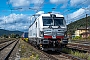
77	53
88	58
76	37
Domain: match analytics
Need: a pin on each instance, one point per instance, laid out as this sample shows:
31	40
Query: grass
27	52
77	53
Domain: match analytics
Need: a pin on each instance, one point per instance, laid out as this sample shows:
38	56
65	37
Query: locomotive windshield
48	21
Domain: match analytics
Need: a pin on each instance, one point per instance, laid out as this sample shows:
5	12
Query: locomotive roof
47	15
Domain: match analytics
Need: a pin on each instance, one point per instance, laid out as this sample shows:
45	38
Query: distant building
9	37
85	34
81	30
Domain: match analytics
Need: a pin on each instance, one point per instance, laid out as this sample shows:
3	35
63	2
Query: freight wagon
25	36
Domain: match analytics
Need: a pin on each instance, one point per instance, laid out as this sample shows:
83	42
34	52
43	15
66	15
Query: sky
16	14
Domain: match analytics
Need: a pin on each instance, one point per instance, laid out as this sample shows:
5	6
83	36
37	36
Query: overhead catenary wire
40	6
80	14
83	14
75	8
11	12
82	2
55	6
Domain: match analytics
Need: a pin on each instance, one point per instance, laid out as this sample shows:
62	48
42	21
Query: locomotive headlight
65	34
41	33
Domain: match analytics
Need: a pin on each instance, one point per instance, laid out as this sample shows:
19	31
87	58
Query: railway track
82	47
61	55
66	56
56	55
5	44
53	55
7	50
44	54
47	56
4	41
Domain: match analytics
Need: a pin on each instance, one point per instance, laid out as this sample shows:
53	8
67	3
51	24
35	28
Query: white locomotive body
48	32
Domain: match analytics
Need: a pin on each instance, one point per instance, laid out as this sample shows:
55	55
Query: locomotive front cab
54	32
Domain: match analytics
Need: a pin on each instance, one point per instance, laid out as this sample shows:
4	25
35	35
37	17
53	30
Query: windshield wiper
50	26
59	26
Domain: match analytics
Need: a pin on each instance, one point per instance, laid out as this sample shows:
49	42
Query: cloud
14	21
25	3
40	12
88	8
13	17
37	5
37	2
58	1
79	2
63	2
18	3
76	15
54	1
18	26
56	12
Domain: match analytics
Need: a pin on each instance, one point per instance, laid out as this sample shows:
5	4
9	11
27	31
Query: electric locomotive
48	32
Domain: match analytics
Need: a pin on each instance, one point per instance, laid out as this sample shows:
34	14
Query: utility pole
67	25
86	26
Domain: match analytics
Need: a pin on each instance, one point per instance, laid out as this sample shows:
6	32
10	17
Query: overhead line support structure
86	26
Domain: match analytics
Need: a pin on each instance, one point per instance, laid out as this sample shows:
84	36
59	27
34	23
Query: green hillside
77	24
7	32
